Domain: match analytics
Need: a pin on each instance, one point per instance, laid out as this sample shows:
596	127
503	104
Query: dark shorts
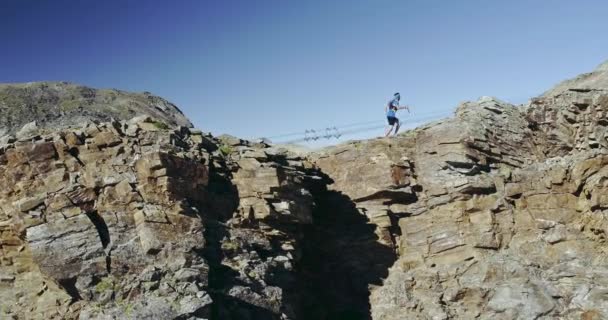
392	120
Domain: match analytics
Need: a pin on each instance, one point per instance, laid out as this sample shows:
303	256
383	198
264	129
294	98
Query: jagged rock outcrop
54	105
498	213
125	220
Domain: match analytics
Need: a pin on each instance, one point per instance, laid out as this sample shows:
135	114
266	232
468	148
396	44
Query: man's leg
388	130
398	124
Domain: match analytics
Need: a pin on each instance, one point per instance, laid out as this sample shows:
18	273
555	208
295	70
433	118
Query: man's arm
405	108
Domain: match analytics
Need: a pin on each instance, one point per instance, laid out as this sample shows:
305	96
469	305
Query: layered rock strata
497	213
125	220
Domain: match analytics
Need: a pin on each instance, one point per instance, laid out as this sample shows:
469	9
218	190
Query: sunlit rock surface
499	212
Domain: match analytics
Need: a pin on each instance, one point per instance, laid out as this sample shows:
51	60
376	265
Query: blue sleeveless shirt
391	113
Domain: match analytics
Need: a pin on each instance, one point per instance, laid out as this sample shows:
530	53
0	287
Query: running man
391	114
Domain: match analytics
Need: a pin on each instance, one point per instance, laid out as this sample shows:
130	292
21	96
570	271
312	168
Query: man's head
397	96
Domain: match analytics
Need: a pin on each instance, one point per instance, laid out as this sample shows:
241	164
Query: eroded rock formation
125	220
496	213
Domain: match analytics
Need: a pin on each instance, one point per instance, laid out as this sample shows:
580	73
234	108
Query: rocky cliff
496	213
126	220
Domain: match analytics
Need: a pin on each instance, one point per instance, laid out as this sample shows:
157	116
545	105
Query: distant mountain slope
62	104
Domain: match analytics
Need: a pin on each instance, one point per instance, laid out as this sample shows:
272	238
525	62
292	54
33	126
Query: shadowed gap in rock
104	235
235	309
342	258
222	201
101	226
69	285
75	153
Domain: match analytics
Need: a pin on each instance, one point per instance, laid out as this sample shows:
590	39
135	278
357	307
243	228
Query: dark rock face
54	105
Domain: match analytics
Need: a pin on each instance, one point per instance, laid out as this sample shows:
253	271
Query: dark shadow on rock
100	226
222	200
235	309
341	260
104	235
395	196
339	257
222	278
69	285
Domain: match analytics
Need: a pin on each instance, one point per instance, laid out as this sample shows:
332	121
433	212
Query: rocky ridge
496	213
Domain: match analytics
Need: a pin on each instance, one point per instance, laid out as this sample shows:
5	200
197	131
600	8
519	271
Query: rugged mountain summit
496	213
55	105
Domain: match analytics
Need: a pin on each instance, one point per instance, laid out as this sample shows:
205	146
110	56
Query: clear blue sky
268	67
